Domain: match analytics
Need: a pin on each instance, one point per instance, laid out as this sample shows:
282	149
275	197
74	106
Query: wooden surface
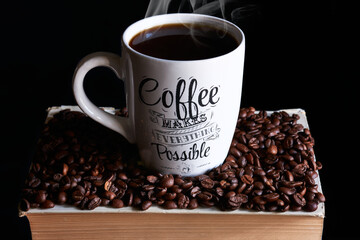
173	226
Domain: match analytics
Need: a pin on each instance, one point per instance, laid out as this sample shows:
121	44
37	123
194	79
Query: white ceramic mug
192	133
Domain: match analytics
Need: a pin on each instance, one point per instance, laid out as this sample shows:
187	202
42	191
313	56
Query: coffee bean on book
270	167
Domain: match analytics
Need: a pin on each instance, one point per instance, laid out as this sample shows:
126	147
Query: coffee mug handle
119	124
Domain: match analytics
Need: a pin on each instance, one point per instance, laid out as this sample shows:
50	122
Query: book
69	222
155	223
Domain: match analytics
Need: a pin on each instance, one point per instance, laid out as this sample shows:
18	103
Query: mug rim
174	18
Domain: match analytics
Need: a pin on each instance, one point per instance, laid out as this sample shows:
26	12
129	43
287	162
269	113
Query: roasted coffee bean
122	176
287	190
302	190
24	205
271	207
234	201
65	169
273	150
40	196
83	203
299	199
169	196
178	180
311	206
230	158
225	167
187	184
300	170
137	200
319	165
289	176
61	198
193	203
151	178
61	154
313	189
109	195
224	184
273	132
259	172
167	181
233	183
146	205
309	196
207	203
78	195
273	174
160	201
47	204
242	148
34	182
249	170
243	198
291	184
242	160
169	205
135	183
65	183
121	184
288	142
287	157
280	203
235	152
204	196
117	203
230	194
271	197
128	198
259	200
259	185
104	202
247	179
151	195
94	203
195	191
219	192
223	176
207	183
183	201
320	196
160	191
148	187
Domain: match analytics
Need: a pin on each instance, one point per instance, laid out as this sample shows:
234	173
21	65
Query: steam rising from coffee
232	10
235	11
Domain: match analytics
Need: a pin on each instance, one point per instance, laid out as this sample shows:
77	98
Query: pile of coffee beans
270	167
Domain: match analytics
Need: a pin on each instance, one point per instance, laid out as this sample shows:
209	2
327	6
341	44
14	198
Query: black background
297	56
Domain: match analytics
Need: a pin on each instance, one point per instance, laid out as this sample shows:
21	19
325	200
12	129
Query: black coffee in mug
184	42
